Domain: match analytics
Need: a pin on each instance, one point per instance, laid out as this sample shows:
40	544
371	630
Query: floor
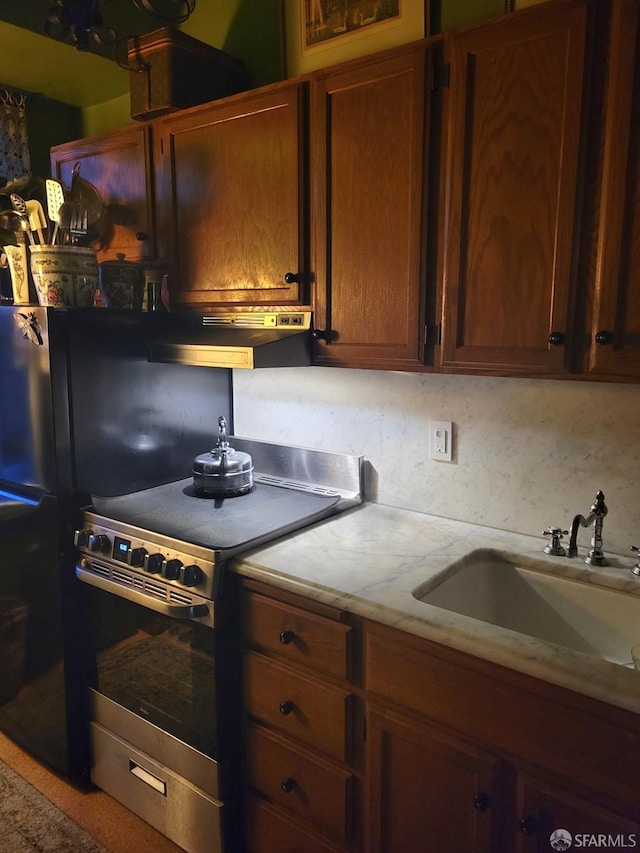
110	823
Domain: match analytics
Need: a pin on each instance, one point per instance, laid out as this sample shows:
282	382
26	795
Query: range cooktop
222	524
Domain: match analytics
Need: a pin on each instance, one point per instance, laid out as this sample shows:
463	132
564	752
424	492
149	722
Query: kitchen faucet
595	557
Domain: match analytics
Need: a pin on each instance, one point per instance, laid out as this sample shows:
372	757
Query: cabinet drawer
315	790
268	832
300	706
298	637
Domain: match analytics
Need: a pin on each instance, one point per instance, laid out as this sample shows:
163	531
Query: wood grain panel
309	640
515	110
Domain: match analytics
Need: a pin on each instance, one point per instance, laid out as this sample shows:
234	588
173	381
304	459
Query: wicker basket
13	648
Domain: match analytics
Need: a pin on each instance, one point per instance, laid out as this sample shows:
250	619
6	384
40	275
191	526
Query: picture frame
319	33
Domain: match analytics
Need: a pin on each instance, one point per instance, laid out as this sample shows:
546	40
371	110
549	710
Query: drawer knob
288	785
481	801
286	637
603	337
286	707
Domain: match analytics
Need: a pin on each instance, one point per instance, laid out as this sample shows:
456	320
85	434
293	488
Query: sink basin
568	612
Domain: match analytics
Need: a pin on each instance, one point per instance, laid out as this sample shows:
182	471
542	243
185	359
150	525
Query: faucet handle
636	568
554	547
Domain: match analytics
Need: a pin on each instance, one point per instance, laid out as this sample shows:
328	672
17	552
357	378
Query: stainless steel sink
568	612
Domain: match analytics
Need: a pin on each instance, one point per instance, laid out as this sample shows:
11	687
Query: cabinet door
300	783
231	200
512	154
298	706
118	164
367	166
615	332
428	791
543	810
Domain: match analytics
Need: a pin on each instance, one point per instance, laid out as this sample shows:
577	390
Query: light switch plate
442	441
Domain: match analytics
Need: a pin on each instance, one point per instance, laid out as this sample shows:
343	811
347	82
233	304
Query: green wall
457	13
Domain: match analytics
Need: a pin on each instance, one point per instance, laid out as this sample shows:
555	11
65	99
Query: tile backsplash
527	453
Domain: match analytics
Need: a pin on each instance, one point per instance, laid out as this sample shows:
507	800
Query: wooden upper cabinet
367	150
231	199
119	165
615	328
511	193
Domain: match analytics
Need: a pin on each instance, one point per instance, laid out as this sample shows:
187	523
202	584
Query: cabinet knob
556	339
293	278
286	707
321	335
529	824
140	235
286	637
481	801
288	785
603	337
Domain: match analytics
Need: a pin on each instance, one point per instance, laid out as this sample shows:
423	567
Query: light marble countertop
369	560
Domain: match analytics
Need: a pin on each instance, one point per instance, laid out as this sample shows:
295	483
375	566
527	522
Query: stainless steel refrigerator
82	412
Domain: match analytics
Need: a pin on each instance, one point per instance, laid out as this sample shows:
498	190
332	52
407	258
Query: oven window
160	668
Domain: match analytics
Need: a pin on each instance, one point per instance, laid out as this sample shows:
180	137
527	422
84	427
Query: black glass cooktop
222	524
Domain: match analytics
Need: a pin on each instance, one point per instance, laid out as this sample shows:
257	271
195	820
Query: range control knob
172	569
136	557
81	538
98	543
193	575
153	563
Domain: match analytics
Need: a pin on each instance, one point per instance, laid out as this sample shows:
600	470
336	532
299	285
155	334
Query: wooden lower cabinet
545	810
361	738
304	729
270	831
299	781
466	756
430	791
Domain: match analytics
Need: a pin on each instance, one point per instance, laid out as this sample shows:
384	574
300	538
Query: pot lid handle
222	445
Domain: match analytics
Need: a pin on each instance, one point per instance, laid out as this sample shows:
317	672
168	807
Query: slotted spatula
55	200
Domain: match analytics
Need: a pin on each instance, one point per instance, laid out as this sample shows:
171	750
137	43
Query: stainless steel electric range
164	693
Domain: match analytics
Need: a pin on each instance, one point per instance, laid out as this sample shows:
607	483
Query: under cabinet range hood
251	340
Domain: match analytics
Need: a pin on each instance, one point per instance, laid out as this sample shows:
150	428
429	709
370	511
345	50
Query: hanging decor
14	149
82	19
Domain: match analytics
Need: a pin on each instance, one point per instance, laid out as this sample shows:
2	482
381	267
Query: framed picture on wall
325	32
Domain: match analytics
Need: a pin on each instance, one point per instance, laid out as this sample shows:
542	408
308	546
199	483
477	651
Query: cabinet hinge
437	334
440	76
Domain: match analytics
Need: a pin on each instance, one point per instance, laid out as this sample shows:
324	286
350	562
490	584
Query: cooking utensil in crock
37	219
20	207
55	200
222	472
86	197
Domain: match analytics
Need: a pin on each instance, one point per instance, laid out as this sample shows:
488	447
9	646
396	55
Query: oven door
153	708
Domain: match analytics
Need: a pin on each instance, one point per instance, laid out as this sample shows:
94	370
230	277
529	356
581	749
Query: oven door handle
176	611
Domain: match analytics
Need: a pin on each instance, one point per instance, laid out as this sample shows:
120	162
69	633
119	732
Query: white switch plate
441	441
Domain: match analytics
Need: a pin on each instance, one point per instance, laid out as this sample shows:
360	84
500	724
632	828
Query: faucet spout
599	509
